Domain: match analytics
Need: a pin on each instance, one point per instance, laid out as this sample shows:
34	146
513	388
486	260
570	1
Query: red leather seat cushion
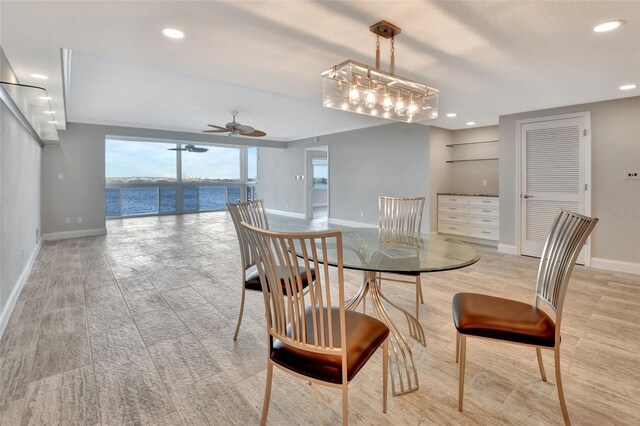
504	319
253	280
364	335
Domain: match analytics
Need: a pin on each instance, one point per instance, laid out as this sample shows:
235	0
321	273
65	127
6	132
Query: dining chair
254	213
498	319
310	334
402	215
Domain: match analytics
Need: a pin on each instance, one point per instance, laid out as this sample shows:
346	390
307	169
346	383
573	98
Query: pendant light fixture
356	87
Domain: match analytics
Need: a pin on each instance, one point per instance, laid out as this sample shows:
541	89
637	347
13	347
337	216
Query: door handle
525	196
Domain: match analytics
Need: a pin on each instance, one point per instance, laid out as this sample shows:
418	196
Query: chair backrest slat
253	213
301	319
401	213
564	243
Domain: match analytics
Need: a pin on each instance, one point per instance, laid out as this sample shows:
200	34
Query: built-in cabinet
475	216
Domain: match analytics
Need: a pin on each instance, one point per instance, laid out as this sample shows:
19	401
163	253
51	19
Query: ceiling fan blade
244	129
217	127
255	134
176	149
216	131
199	150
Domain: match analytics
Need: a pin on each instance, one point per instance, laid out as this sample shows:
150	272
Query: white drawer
484	201
484	221
452	217
453	228
484	232
453	208
484	211
453	199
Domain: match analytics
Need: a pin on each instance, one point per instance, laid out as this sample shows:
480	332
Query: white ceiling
264	59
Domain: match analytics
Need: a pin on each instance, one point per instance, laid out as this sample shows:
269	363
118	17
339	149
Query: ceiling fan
236	129
190	147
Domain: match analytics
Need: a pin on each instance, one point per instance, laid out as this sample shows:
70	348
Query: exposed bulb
411	110
386	114
354	95
387	103
399	107
370	100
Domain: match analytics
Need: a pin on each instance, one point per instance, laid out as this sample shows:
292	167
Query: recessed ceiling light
173	33
49	112
607	26
45	98
39	76
451	114
52	122
627	87
471	123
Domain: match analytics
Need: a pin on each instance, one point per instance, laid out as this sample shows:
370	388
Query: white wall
20	161
615	139
80	158
439	177
386	160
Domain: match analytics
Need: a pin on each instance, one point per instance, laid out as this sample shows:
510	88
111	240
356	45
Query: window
141	178
219	164
320	173
252	164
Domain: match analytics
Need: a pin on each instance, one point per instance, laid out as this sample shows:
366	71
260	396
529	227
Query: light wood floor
135	328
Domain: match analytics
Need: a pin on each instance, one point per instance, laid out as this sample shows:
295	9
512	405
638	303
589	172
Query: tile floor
135	328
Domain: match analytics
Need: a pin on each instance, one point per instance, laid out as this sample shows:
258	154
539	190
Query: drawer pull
486	201
486	232
453	199
453	208
453	217
486	211
486	220
451	227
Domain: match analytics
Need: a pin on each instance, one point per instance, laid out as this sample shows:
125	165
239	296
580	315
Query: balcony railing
140	199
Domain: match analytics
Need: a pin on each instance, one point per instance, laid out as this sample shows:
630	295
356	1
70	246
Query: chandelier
356	87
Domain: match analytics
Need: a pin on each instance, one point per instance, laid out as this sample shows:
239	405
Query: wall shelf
473	159
470	143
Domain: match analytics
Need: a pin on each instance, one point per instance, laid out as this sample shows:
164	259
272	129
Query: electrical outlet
484	182
79	220
361	214
67	220
632	175
60	176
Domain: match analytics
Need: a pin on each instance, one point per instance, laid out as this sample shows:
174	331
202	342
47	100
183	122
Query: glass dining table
375	251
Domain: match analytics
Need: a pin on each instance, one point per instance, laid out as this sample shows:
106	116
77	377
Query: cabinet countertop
467	195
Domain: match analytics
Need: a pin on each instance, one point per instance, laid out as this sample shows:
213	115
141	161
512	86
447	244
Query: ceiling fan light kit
356	87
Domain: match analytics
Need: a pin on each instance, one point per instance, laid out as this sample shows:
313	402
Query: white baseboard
351	223
507	249
13	298
74	234
615	265
287	214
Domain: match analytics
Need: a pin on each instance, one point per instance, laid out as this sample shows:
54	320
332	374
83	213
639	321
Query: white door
554	177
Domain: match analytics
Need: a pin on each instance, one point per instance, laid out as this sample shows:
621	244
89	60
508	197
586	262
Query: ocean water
154	200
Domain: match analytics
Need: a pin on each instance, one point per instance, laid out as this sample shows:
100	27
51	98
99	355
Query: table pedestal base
404	376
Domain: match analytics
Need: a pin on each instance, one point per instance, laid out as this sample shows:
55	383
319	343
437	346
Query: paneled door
553	177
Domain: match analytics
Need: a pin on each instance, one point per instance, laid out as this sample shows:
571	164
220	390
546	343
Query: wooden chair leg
457	347
345	404
563	404
235	335
267	394
540	364
463	350
385	373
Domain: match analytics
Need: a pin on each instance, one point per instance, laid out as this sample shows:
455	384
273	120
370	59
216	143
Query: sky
153	159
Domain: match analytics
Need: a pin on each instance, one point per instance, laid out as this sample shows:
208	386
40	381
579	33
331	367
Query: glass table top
370	249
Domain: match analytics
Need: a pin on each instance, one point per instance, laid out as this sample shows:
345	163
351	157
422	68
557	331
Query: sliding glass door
155	178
